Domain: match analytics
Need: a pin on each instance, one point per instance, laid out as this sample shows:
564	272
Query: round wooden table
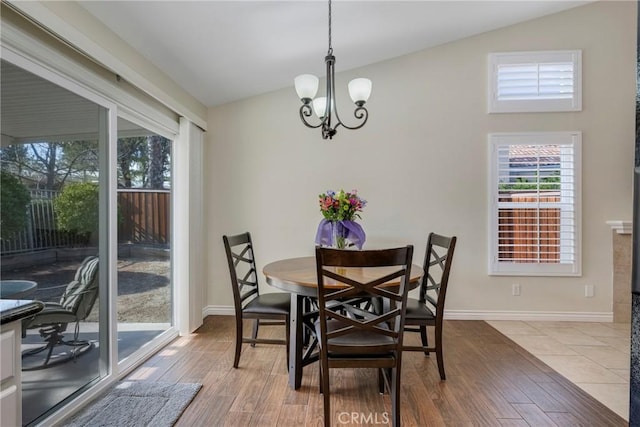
299	277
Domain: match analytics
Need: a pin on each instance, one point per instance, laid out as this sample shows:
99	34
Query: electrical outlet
589	290
515	289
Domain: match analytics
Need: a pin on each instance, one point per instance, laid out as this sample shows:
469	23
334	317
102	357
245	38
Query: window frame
505	268
496	105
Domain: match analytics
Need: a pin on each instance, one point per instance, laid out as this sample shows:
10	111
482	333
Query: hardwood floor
491	381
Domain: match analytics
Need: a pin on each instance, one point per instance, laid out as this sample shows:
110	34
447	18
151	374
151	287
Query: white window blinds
535	204
535	81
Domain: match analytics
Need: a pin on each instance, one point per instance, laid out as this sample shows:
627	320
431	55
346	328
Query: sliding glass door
55	186
145	293
86	216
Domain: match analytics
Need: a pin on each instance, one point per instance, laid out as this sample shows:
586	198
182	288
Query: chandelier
324	107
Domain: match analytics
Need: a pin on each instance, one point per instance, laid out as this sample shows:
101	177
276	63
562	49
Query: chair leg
439	356
236	359
395	396
49	354
254	334
423	337
381	380
325	392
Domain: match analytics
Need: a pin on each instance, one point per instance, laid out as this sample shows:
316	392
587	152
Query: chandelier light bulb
320	106
360	90
306	86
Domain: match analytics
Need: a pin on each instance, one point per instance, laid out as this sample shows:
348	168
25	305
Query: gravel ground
144	291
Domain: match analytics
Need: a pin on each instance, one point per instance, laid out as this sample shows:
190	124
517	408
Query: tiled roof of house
534	153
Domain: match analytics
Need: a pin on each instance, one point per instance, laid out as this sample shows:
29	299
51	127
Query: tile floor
594	356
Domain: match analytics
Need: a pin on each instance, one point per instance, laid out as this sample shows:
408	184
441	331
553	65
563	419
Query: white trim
567	316
110	153
142	120
621	227
218	310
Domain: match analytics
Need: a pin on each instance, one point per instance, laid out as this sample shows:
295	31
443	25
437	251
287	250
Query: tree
132	161
77	208
13	157
78	160
143	162
14	198
157	161
546	183
50	164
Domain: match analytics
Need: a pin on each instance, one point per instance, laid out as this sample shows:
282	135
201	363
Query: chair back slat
342	304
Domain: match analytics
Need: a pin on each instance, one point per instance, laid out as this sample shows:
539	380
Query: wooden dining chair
428	309
248	302
352	337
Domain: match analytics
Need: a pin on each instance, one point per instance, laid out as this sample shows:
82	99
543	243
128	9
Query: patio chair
428	309
75	305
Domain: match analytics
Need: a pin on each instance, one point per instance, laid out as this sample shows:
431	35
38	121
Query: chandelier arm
305	111
359	113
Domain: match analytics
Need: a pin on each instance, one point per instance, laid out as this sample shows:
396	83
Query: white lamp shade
306	86
360	89
319	106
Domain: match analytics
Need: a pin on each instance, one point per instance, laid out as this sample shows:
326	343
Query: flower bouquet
338	228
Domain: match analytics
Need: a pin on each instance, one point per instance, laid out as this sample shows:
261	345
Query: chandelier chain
330	47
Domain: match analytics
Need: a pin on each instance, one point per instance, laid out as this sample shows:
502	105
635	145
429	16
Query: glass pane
536	193
144	244
52	143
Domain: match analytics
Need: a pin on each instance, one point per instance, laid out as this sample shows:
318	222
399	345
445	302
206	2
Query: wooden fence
529	234
143	217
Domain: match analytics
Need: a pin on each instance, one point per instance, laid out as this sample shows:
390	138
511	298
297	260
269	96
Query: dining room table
298	276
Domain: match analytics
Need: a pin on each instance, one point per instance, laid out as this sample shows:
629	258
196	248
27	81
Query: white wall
421	161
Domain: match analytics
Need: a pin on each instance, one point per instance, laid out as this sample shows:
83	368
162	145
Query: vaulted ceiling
222	51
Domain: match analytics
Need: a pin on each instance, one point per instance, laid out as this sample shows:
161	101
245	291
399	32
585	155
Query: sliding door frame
109	367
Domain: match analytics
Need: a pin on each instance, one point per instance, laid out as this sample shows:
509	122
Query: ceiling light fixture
325	107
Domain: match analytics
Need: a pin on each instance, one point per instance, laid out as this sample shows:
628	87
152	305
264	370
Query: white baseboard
218	310
557	316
